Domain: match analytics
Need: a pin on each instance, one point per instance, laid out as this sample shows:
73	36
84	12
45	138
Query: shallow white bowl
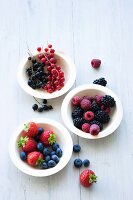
68	68
63	138
92	90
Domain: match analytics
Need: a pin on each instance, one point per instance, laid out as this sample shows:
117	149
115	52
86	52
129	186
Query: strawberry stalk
22	141
39	161
52	139
26	127
92	178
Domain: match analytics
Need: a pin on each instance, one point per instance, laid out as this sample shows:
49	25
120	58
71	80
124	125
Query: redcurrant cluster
55	78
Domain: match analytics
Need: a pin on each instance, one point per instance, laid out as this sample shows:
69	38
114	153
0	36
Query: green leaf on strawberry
22	141
52	139
92	178
26	127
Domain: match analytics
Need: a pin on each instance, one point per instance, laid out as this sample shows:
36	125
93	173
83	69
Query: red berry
96	63
52	50
58	87
27	144
76	100
86	127
51	55
105	108
87	178
50	46
62	80
62	84
43	60
30	129
94	129
46	49
47	62
89	115
39	49
50	91
61	74
54	71
34	158
90	98
58	68
53	65
85	104
56	83
98	99
53	60
40	56
49	68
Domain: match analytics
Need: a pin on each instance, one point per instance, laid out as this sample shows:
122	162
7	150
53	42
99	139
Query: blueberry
40	146
30	82
37	138
76	148
59	152
40	130
46	152
86	162
49	107
55	158
45	101
35	107
33	61
51	163
23	155
78	163
29	58
45	107
52	153
55	146
44	165
47	158
40	109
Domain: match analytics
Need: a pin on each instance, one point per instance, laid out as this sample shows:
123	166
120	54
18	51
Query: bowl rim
36	93
39	172
80	133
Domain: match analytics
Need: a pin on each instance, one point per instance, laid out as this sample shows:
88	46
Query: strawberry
35	158
30	129
48	138
87	177
27	144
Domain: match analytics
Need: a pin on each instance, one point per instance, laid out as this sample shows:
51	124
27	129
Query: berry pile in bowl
92	111
39	147
47	73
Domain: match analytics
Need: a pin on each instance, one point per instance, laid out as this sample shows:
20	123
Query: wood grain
83	29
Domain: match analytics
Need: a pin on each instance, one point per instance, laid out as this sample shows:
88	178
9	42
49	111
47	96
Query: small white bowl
63	138
68	68
92	90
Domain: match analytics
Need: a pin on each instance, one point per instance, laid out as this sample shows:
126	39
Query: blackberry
98	123
95	107
108	101
78	122
102	116
77	112
100	81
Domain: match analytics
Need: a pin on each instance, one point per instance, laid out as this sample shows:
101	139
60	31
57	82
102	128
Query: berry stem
37	101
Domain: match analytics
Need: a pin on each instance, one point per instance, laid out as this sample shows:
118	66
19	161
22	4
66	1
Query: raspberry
100	81
94	129
98	123
95	107
39	49
78	122
89	115
86	127
98	99
108	101
85	104
77	112
105	108
96	63
76	100
90	98
102	116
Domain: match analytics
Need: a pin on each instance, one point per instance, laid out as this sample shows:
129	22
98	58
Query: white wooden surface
84	29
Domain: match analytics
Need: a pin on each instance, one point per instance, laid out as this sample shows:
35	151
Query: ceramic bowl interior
92	90
63	138
67	66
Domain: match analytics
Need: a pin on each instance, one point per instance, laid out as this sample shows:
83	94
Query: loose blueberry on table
89	113
44	72
38	147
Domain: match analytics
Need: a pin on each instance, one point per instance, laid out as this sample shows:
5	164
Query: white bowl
92	90
68	68
63	138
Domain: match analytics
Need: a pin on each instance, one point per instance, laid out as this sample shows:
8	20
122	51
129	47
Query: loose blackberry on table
100	81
